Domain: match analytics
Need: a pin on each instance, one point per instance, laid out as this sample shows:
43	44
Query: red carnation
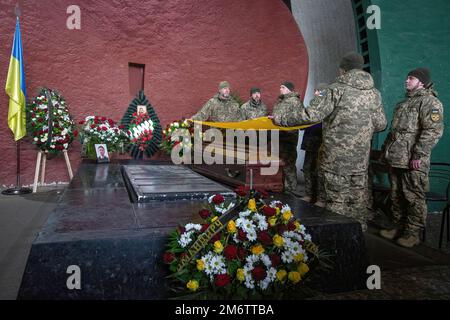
222	280
104	128
99	129
204	227
258	273
218	199
92	126
269	211
275	259
265	238
168	257
242	235
103	118
242	253
111	123
230	252
204	213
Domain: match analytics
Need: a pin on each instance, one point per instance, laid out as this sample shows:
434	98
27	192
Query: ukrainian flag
15	88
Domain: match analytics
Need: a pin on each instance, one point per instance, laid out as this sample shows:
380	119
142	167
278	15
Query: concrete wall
187	47
328	28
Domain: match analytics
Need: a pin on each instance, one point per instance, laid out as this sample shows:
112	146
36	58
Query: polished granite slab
118	243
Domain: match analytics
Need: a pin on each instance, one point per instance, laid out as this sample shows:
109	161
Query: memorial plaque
168	182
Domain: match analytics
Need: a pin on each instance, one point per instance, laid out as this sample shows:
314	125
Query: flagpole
17	190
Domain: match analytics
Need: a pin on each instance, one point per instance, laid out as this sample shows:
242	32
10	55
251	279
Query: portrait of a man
141	110
102	153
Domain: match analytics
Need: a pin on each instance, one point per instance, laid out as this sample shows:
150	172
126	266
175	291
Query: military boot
408	241
389	233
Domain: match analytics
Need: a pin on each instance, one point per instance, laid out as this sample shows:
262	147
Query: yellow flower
218	247
278	210
281	275
240	275
297	225
257	250
252	205
231	226
192	285
287	216
303	268
294	276
214	219
299	257
200	265
272	221
278	240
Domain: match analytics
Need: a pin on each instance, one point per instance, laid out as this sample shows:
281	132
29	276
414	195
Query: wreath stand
42	159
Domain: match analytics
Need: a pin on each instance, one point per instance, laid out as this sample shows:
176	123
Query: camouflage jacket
250	111
416	128
285	106
351	111
219	110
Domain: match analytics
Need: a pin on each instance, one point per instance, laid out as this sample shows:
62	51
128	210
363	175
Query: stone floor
419	273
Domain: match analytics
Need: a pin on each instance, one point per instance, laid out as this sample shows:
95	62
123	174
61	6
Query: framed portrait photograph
141	110
102	153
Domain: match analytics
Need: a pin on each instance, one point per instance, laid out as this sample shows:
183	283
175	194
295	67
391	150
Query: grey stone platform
118	243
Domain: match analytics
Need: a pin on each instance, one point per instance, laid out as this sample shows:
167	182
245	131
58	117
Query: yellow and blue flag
16	89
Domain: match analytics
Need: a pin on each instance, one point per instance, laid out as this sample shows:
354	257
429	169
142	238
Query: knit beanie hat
423	74
352	60
288	85
253	90
224	84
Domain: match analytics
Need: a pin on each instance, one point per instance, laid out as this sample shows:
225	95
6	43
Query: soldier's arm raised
432	128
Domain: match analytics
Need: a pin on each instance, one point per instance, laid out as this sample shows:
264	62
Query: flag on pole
15	88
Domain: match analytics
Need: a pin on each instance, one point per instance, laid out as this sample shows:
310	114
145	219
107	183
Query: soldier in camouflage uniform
220	108
312	140
288	101
351	111
416	128
254	108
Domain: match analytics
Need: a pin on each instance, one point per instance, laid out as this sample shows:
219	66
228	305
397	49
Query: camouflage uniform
416	127
251	110
218	109
312	139
351	111
286	105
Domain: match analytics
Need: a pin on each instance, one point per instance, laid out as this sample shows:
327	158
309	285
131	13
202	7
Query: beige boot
389	233
408	241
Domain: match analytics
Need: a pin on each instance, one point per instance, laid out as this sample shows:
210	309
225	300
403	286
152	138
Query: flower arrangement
140	131
99	130
51	131
255	250
169	140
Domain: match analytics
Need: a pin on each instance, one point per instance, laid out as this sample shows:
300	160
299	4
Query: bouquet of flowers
51	130
255	250
101	130
140	131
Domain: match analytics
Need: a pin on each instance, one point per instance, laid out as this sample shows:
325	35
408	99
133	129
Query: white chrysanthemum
285	208
193	226
245	213
261	221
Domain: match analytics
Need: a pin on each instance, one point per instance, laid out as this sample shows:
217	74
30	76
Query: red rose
291	226
242	253
275	259
81	122
122	127
241	235
265	238
269	211
92	126
75	133
218	199
230	252
241	191
258	273
222	280
104	128
204	227
168	257
204	213
103	118
99	129
111	123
